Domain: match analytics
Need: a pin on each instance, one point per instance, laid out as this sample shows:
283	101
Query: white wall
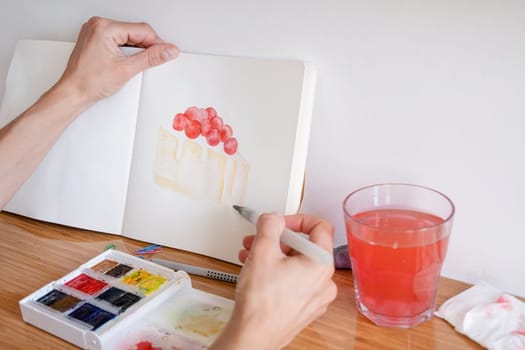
429	92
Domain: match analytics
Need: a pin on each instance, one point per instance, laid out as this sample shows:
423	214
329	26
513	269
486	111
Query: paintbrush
295	240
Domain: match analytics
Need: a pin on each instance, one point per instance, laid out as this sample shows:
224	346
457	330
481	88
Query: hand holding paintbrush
298	241
279	293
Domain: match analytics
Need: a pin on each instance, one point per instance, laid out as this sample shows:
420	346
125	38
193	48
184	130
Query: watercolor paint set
121	302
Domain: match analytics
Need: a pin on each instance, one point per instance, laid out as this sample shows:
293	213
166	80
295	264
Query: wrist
70	96
56	108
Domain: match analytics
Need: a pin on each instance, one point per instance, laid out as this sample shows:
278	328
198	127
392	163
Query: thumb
153	56
269	230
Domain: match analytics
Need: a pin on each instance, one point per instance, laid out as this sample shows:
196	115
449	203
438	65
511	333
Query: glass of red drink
397	241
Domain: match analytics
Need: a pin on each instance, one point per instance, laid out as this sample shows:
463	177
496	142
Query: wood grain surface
34	253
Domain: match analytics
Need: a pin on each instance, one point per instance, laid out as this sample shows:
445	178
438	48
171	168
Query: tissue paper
486	315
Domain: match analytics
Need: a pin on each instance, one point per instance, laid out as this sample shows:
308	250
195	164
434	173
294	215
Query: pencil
198	271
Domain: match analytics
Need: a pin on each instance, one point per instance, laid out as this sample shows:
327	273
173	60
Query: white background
429	92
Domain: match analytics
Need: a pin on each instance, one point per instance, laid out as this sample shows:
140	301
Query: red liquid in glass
397	272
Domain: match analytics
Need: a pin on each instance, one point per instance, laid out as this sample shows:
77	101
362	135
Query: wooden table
34	253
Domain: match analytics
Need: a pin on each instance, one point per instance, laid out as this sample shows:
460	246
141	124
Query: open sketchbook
165	158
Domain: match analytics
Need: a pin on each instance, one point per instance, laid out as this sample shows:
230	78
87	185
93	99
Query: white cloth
486	315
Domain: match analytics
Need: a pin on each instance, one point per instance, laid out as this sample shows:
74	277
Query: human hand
97	67
279	291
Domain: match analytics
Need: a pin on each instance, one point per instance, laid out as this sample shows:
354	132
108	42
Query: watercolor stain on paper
204	320
148	345
151	337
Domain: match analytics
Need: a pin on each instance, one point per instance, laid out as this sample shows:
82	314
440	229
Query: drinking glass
397	241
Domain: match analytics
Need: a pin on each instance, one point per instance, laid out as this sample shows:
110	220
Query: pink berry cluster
205	122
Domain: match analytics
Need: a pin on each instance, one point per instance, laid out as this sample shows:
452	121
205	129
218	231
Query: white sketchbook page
261	100
83	180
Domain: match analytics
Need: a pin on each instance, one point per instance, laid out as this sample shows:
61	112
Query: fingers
243	255
153	56
141	35
124	33
247	244
136	34
267	240
321	231
248	241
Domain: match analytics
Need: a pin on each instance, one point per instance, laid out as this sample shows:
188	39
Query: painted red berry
193	129
213	137
230	145
226	132
202	115
216	122
192	112
206	127
179	121
211	112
